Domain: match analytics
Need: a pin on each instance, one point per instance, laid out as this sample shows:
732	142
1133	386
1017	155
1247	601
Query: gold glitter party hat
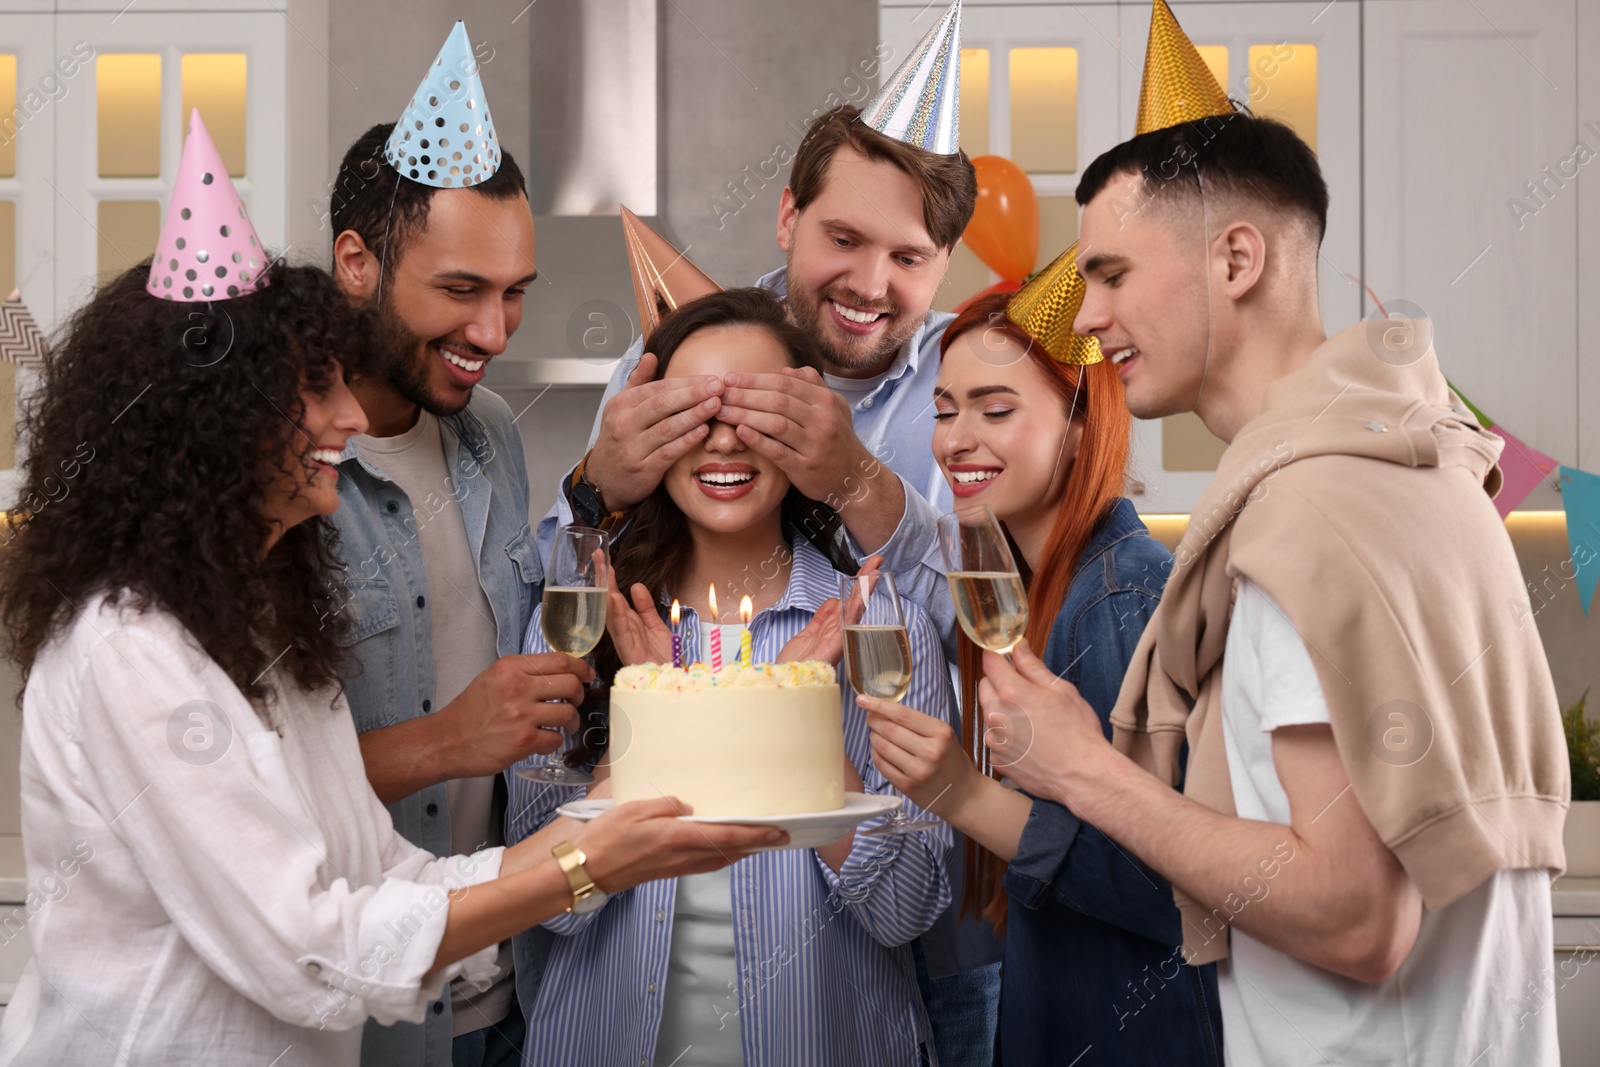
1047	306
1178	86
920	104
663	277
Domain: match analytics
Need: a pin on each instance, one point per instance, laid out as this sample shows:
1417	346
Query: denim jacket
1092	960
383	594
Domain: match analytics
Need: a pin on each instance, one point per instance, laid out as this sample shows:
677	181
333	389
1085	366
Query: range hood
579	317
594	115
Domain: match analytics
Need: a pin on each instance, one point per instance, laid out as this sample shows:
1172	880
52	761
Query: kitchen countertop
1575	896
13	871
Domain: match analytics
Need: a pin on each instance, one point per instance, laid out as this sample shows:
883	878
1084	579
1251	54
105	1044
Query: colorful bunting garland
1521	468
1580	495
21	340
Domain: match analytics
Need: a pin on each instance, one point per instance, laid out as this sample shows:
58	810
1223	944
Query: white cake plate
813	829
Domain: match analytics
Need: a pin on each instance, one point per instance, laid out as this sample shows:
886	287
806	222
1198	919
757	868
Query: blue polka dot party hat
446	138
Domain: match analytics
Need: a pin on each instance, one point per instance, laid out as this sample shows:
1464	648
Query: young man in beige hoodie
1375	784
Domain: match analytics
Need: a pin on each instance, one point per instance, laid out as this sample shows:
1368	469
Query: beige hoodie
1360	500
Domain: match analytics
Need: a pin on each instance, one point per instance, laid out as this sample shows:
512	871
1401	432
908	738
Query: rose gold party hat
208	250
663	277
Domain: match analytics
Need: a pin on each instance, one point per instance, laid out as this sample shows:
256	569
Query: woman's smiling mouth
725	481
969	479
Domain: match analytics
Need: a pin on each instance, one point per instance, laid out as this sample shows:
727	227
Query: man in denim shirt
441	572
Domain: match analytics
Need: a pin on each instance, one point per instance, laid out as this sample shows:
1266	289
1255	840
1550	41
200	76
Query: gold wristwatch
586	896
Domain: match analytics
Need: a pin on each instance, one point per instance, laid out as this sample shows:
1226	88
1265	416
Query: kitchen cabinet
91	137
1318	92
1455	136
1576	903
1472	197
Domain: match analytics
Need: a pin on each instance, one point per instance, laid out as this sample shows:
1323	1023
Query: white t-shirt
1477	987
464	646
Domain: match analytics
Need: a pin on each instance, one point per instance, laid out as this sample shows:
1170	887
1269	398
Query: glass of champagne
877	659
990	600
991	603
573	617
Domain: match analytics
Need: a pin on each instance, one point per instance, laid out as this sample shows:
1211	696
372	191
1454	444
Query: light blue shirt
825	969
895	422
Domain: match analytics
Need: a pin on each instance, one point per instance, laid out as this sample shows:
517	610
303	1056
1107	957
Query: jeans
499	1045
964	1010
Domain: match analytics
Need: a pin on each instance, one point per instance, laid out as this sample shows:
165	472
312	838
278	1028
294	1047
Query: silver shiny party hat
920	104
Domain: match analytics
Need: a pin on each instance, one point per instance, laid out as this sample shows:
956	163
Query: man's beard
402	361
858	354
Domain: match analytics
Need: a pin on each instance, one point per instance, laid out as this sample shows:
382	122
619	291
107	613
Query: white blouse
204	888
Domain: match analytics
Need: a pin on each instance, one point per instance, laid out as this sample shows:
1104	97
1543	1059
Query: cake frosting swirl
699	676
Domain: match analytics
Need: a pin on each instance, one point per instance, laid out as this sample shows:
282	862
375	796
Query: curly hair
151	445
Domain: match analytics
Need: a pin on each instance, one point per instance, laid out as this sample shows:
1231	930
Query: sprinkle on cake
660	676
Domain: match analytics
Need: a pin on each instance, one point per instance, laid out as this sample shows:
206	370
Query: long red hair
1093	395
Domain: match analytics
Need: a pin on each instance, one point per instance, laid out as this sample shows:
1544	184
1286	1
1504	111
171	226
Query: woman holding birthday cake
1031	422
218	881
798	956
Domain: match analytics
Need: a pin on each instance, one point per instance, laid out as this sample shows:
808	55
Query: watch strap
588	506
571	860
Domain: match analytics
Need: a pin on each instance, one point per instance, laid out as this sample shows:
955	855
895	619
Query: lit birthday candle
677	639
716	632
744	638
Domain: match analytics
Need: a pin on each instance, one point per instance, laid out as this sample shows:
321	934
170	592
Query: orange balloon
1004	231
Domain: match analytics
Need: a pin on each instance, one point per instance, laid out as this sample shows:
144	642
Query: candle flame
745	610
713	599
675	612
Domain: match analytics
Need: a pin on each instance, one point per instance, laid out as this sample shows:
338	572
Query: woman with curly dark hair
211	878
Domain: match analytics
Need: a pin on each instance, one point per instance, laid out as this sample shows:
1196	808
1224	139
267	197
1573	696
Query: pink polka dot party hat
208	250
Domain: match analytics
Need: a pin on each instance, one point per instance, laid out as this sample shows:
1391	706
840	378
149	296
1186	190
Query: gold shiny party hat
920	104
1178	86
663	277
1047	306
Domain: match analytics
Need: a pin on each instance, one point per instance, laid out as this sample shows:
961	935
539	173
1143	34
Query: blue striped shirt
824	958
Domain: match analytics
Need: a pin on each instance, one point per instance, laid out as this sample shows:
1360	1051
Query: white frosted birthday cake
761	740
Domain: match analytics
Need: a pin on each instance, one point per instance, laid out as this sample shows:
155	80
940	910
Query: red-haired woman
1092	937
